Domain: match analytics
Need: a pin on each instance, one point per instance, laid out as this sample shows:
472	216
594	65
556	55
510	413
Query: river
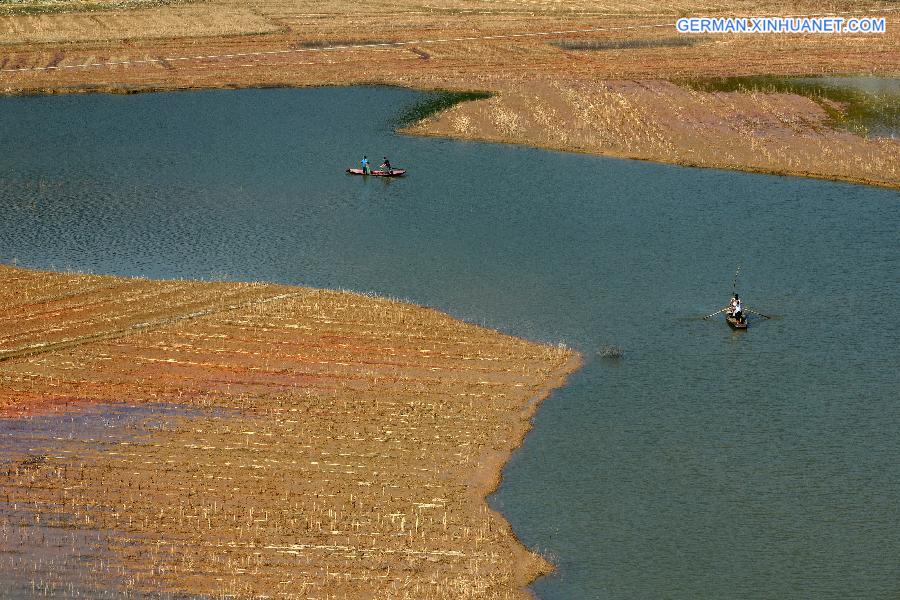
703	463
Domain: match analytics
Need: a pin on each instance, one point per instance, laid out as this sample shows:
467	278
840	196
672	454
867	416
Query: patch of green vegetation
629	44
849	107
433	103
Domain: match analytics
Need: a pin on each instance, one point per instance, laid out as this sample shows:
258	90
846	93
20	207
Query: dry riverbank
294	443
580	76
660	121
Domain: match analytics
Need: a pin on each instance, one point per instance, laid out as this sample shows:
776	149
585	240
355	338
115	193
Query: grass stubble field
333	445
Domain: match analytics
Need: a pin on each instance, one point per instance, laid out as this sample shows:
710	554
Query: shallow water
91	427
881	86
54	557
883	114
703	463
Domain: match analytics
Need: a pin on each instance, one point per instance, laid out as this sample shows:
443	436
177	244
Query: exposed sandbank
656	120
343	448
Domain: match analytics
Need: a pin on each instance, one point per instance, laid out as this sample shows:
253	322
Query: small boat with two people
384	170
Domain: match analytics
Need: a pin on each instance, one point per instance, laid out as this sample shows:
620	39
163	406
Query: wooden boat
735	323
376	173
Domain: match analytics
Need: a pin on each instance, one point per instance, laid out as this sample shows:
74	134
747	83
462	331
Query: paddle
717	312
758	313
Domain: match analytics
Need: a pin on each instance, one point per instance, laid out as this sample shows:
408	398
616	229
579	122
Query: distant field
12	7
67	22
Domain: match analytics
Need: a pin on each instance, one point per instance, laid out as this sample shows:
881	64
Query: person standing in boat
365	165
737	309
386	166
732	305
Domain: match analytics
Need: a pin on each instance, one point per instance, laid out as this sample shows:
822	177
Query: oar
717	312
758	313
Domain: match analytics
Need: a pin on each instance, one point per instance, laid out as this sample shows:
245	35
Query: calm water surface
703	464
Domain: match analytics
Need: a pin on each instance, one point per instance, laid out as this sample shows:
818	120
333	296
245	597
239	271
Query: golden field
323	444
660	121
615	101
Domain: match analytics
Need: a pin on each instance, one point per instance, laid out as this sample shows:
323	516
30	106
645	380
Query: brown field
323	444
614	101
660	121
95	26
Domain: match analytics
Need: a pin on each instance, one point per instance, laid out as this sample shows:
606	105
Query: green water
702	464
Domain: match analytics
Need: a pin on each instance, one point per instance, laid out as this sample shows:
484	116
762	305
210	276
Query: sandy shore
294	442
616	99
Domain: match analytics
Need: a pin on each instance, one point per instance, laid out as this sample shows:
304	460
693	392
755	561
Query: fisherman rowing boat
735	312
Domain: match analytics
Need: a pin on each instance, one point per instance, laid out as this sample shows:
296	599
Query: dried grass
344	449
657	120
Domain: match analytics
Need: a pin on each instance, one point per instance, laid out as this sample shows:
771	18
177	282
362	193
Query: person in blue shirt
365	165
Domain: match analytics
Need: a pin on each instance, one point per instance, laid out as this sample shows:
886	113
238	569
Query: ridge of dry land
323	444
605	87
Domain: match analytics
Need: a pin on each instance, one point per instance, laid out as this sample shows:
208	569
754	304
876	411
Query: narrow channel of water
703	463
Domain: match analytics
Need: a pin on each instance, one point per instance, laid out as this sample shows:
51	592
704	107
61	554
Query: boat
377	173
736	323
